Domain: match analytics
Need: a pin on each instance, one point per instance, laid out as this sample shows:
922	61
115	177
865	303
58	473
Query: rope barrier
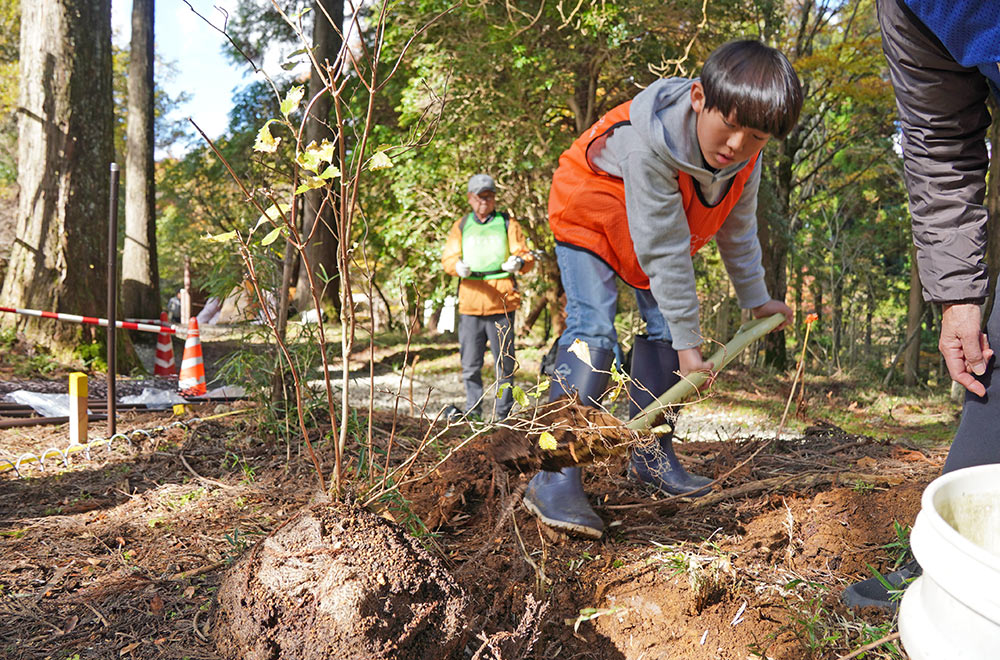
8	464
91	320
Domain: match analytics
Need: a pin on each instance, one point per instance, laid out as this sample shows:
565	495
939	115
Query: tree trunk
837	318
773	232
318	207
140	274
915	310
58	260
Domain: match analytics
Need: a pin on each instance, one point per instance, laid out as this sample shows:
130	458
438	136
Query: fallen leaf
70	624
189	592
128	649
156	605
867	462
910	455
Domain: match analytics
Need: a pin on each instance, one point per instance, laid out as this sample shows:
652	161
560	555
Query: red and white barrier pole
92	320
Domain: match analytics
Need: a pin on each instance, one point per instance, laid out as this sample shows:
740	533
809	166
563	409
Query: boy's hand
463	269
772	307
691	362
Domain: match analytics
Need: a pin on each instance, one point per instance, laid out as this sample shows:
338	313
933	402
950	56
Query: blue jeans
592	301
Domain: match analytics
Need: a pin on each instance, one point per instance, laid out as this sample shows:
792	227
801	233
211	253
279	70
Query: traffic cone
192	379
164	363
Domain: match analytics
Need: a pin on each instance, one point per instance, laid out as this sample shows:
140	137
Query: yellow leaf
380	161
310	183
291	102
266	142
272	214
547	441
220	238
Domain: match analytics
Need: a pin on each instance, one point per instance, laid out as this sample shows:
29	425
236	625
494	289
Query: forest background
504	87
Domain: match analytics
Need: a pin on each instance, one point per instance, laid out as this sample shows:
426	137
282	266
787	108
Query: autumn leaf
547	441
265	142
380	161
292	99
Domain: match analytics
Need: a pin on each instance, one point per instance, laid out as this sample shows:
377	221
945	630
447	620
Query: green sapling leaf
520	396
272	236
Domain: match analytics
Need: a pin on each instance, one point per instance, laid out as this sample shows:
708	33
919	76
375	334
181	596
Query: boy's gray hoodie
647	154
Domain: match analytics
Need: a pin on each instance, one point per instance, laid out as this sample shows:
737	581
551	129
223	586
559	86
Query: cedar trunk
319	205
58	260
140	278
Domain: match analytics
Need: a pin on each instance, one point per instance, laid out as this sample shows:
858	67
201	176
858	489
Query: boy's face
483	204
723	141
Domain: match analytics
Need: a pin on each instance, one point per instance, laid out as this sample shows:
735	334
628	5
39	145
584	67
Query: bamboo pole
746	335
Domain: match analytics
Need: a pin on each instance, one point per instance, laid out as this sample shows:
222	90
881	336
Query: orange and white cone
192	379
164	362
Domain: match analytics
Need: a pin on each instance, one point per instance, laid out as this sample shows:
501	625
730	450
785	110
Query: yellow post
77	408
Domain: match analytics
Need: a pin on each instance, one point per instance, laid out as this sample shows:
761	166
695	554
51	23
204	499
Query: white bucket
953	610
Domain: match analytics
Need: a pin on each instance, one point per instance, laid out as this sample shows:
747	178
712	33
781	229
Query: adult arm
452	253
943	116
518	246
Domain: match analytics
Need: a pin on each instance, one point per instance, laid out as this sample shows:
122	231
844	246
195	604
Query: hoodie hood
663	119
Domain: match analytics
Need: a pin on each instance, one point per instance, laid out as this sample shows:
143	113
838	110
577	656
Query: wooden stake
77	408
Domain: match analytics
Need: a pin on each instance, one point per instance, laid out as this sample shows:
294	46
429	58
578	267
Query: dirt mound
338	582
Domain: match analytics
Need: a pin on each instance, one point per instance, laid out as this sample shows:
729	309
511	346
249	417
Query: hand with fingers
512	265
964	345
690	361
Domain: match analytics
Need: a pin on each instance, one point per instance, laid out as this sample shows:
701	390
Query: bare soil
129	552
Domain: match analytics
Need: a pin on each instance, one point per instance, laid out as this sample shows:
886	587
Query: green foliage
92	355
237	542
899	548
809	622
10	20
199	198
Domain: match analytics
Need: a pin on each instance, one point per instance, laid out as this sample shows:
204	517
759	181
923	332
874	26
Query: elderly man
486	249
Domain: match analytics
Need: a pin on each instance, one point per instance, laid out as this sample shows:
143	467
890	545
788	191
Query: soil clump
337	581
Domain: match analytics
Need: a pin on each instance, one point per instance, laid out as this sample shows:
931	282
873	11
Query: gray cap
481	183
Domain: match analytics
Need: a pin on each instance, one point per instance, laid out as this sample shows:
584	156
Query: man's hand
964	346
691	362
513	264
772	307
463	269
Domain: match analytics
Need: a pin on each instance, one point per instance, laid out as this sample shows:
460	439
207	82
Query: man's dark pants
473	333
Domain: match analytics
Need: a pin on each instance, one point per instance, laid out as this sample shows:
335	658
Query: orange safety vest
587	205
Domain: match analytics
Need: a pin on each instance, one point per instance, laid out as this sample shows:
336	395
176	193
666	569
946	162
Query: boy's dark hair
757	83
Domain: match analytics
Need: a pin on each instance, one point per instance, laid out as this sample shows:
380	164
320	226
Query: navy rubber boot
557	498
654	371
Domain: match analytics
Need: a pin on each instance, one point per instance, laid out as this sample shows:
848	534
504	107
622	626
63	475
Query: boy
486	249
636	196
